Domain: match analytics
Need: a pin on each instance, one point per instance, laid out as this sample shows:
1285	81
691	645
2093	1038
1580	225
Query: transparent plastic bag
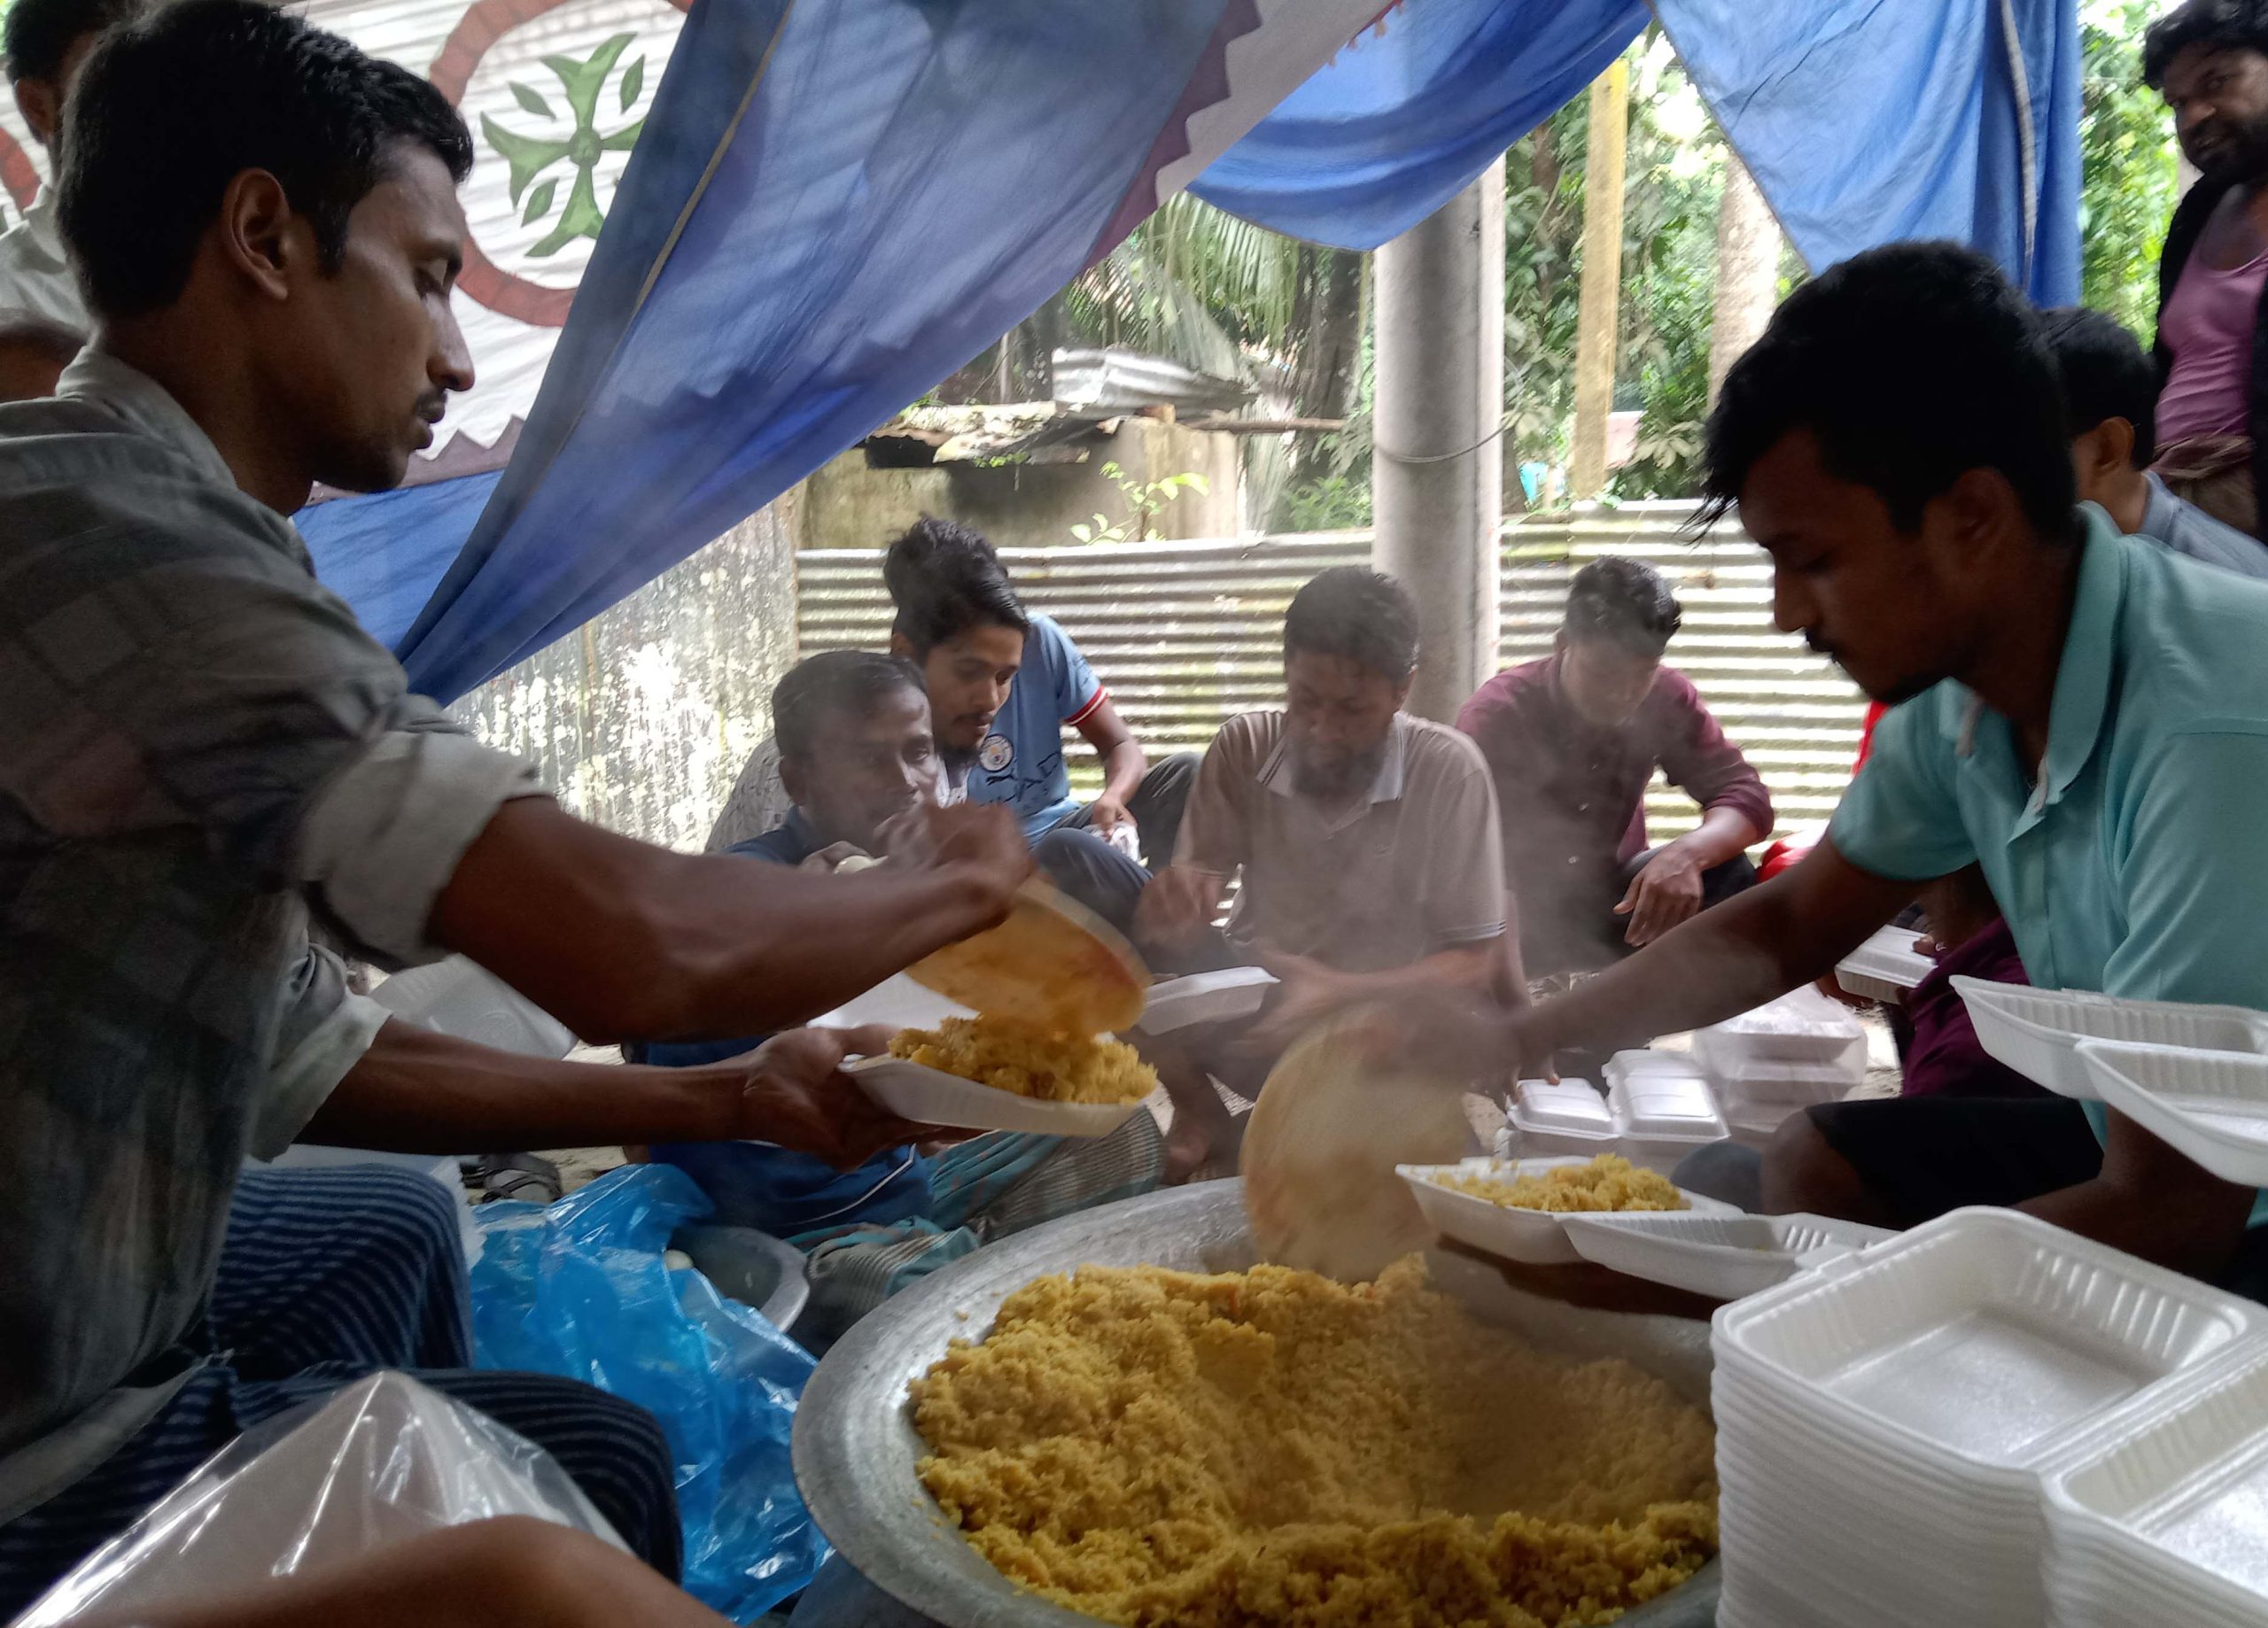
383	1460
581	1289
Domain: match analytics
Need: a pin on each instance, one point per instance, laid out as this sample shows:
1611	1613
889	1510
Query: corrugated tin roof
1113	379
1187	634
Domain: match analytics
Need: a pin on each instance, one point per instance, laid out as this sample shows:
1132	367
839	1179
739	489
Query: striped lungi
328	1276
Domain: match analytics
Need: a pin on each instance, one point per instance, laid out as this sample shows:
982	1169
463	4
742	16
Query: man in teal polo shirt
2083	714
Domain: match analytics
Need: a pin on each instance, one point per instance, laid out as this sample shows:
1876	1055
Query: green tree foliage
1215	292
2127	163
1673	174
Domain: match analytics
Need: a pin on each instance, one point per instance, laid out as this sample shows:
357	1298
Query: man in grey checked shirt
199	749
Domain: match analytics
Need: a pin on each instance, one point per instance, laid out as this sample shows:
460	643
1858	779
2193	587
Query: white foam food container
2174	1503
1536	1237
2210	1106
898	1002
1886	967
2037	1032
1803	1026
1984	1337
1661	1118
1562	1116
1739	1077
931	1097
1205	997
1627	1066
1724	1256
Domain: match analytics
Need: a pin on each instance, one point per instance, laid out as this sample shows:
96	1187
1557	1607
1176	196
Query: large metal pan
856	1448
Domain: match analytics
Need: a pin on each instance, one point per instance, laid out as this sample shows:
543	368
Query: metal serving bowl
855	1447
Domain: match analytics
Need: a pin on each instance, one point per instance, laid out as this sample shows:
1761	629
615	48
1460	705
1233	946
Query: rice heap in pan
1274	1447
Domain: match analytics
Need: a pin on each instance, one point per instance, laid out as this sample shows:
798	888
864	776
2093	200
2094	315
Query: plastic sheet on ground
383	1460
579	1289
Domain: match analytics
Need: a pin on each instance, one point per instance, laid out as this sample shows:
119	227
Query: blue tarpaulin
1403	122
1863	122
1866	123
832	208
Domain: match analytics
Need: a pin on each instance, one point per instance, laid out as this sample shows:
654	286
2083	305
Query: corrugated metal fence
1187	634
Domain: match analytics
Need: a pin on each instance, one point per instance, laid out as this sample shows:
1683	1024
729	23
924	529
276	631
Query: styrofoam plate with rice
930	1095
1535	1237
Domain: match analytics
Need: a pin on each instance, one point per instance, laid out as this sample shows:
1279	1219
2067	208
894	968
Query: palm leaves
1194	284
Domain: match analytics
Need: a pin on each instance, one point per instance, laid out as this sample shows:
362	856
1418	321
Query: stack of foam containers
1662	1108
1658	1109
1801	1050
1561	1117
2164	1518
1899	1435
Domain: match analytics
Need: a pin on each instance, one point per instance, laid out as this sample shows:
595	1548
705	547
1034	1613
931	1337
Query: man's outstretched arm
415	1091
619	940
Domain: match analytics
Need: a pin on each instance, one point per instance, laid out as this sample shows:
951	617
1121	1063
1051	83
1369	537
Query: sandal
524	1178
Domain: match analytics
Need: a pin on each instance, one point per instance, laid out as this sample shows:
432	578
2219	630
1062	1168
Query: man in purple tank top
2210	59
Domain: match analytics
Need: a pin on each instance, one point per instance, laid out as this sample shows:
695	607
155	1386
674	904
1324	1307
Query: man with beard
2083	714
2210	59
1366	840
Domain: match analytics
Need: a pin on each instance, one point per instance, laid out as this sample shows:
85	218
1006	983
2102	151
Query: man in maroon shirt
1573	740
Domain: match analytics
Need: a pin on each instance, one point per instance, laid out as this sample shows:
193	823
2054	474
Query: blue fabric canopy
1870	123
832	208
383	554
1401	123
1863	122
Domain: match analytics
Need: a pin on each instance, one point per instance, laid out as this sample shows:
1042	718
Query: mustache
2226	140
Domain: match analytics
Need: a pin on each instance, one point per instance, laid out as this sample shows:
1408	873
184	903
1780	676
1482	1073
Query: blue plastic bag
579	1289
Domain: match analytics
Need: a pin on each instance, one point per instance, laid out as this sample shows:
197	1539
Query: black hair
828	685
2214	24
172	108
2105	376
39	34
945	579
1359	616
1912	365
1625	602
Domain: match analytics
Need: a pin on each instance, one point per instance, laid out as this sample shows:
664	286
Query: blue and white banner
816	209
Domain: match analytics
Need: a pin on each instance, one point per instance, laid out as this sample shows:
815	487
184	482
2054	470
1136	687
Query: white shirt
34	272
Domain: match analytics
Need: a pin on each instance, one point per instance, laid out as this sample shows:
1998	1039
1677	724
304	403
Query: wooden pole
1600	313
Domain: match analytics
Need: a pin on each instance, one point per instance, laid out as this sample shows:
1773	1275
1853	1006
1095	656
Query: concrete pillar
1748	272
1436	474
1600	315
